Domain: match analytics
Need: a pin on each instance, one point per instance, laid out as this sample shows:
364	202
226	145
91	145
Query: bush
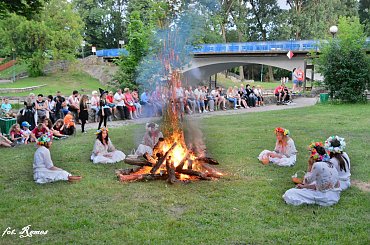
344	63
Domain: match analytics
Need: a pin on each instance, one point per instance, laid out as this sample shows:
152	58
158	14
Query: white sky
282	4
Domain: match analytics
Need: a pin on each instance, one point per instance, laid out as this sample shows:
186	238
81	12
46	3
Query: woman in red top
129	102
110	102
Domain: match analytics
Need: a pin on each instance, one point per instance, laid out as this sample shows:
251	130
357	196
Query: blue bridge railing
248	47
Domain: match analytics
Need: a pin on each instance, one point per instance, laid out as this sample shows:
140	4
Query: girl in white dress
104	151
335	146
44	170
320	185
285	151
151	137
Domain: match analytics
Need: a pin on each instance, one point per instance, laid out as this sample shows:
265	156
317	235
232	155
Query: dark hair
294	69
40	95
100	137
50	97
335	143
75	92
342	160
320	150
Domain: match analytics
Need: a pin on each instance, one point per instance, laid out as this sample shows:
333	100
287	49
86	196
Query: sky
282	4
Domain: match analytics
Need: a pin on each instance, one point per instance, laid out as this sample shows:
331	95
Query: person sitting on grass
150	139
40	130
104	151
5	142
320	184
335	146
69	124
6	109
27	133
16	135
58	130
285	151
44	170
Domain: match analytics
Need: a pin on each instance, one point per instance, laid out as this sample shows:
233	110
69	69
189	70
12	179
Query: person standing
104	110
84	113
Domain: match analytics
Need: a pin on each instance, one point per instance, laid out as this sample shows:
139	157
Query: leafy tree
364	14
344	63
26	8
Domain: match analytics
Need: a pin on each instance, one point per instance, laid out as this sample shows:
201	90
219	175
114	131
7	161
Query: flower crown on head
101	130
43	139
315	155
282	130
335	149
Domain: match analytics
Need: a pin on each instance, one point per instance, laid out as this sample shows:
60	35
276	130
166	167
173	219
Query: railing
248	47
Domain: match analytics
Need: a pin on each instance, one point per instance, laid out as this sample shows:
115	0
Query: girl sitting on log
335	146
151	137
320	184
284	153
44	170
104	151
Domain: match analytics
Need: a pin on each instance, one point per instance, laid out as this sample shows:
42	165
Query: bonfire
174	159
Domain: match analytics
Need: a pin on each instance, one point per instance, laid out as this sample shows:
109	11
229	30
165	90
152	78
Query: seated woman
335	146
44	170
5	142
104	151
16	135
285	151
151	137
58	129
320	185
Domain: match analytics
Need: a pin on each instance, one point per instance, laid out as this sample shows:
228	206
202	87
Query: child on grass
69	124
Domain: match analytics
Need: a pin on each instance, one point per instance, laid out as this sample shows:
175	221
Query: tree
343	62
26	8
364	14
55	33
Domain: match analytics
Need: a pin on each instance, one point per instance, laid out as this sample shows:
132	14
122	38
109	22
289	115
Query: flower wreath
337	149
101	130
43	139
315	155
282	130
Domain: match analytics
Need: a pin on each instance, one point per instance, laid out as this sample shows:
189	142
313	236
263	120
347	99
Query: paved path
298	103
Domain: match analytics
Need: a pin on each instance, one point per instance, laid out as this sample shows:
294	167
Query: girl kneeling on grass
321	183
335	146
285	151
44	170
104	151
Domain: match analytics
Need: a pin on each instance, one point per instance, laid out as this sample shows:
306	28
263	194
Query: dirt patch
364	186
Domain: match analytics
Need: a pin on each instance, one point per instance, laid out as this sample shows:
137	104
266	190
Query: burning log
158	148
142	177
128	171
201	175
208	160
211	172
171	171
149	158
162	159
181	164
137	161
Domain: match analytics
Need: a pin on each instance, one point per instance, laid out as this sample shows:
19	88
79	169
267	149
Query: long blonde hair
12	128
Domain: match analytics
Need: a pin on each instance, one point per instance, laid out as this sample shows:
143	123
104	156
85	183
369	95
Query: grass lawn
66	82
244	207
16	69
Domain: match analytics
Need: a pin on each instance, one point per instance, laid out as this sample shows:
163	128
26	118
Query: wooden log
181	164
208	160
142	177
128	171
194	173
162	159
158	148
150	159
171	171
211	172
137	161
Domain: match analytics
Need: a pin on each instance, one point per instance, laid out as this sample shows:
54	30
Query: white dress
41	168
344	176
326	194
106	153
148	143
289	154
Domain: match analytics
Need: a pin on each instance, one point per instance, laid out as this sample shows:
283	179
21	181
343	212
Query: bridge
209	59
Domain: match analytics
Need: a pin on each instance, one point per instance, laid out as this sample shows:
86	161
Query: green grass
65	82
244	207
16	69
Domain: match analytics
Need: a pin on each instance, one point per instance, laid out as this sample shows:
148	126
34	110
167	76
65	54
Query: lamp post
333	30
13	49
83	43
